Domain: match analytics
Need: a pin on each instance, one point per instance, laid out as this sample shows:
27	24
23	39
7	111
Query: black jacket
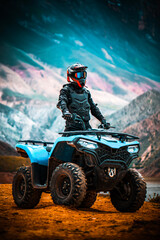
78	100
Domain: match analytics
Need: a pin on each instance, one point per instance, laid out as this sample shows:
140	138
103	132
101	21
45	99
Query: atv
79	165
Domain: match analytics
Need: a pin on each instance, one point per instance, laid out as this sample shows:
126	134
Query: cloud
107	55
79	43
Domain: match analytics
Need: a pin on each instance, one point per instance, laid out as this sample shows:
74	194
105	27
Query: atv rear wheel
130	193
68	185
24	195
89	199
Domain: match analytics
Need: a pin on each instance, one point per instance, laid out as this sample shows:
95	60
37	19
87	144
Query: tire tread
32	196
139	194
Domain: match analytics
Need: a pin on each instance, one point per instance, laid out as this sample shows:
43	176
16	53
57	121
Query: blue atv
79	165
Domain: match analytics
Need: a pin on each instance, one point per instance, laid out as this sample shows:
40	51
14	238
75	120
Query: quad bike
79	165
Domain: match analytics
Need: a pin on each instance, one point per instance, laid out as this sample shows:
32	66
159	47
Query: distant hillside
148	131
153	169
141	117
137	110
7	150
12	163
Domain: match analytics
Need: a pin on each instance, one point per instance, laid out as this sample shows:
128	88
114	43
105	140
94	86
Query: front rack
36	142
121	136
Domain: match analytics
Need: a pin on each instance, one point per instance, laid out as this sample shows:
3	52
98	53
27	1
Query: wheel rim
66	186
63	186
20	187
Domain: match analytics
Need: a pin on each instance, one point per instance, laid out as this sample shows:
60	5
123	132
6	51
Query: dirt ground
49	221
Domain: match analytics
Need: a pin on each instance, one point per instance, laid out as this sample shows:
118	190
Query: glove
67	115
105	124
76	118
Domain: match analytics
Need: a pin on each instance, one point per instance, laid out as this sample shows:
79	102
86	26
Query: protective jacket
78	100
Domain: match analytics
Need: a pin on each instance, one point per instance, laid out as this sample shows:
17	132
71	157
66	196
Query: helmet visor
81	75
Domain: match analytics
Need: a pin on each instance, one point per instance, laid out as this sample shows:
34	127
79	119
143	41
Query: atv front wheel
68	185
24	195
129	195
89	199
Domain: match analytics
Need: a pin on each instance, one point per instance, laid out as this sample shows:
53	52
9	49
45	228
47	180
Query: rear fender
39	163
36	153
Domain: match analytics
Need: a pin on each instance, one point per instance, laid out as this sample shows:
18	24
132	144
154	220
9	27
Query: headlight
87	144
133	149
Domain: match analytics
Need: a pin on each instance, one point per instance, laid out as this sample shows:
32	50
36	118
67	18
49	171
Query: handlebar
121	136
102	126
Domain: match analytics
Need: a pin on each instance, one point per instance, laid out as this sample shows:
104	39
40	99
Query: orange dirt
50	221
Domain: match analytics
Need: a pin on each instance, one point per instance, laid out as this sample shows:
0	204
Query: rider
75	101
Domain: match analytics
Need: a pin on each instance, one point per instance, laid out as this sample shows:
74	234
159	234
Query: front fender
36	153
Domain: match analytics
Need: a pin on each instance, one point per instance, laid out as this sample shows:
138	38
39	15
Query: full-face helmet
77	73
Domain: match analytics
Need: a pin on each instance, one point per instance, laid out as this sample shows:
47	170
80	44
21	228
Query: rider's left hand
105	124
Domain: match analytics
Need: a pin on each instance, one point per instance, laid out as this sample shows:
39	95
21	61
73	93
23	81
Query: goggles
80	75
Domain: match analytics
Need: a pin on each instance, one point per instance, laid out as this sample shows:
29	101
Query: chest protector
79	104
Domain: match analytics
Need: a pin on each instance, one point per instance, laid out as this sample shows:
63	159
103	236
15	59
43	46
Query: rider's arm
94	109
63	99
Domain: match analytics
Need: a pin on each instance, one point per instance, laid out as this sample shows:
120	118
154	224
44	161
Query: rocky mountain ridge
7	150
141	117
137	110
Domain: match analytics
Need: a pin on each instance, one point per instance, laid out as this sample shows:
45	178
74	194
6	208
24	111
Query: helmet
77	73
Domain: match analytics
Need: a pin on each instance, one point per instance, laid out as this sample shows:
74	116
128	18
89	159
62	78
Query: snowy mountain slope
15	125
42	85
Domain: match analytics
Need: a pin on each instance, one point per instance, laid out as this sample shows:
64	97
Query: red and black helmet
77	73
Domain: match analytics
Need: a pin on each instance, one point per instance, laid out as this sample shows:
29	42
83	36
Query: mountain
7	150
148	131
41	124
137	110
141	117
153	169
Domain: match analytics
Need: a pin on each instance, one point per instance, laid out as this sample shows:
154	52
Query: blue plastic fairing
111	143
39	154
36	153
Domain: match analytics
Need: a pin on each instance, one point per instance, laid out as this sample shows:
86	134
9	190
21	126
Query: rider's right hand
67	115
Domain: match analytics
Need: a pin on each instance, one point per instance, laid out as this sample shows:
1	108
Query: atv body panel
39	154
105	163
36	153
